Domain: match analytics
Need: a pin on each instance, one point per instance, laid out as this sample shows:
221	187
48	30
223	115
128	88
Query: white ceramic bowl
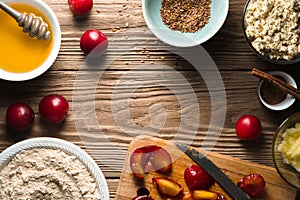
54	143
288	101
56	35
151	11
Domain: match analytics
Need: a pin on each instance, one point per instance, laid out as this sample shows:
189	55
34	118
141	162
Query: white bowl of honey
23	57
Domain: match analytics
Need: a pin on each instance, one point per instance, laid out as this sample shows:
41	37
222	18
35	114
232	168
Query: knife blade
222	179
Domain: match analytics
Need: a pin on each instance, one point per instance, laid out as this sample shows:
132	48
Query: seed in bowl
273	27
43	173
290	146
185	15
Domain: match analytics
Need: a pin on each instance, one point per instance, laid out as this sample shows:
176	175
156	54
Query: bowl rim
55	143
49	13
288	101
183	44
265	58
274	150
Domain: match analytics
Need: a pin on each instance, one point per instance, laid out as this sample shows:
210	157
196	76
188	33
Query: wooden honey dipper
30	23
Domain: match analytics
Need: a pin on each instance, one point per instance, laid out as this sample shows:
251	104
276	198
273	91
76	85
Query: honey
19	52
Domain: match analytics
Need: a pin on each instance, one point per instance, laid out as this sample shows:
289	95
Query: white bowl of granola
271	29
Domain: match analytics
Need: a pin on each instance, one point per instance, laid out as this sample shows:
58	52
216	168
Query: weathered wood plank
139	47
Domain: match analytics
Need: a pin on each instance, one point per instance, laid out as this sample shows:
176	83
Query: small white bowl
54	143
55	34
151	12
288	101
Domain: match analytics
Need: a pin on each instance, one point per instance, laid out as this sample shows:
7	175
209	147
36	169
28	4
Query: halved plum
148	158
160	159
138	162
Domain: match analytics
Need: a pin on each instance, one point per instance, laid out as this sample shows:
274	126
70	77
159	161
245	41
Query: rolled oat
273	27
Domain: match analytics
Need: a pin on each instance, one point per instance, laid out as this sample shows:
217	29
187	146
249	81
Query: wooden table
228	49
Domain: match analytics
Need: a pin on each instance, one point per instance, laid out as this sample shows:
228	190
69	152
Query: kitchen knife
230	187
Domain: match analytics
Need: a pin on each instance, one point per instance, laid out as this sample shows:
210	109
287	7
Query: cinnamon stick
284	86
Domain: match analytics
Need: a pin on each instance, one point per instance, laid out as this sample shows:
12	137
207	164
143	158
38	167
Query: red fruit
197	178
252	184
80	7
54	108
248	127
167	187
94	42
160	159
138	162
144	197
19	116
142	192
157	157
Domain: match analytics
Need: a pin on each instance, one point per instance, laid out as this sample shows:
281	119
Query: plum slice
204	195
167	187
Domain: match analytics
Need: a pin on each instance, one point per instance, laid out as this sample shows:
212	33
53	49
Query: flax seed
185	15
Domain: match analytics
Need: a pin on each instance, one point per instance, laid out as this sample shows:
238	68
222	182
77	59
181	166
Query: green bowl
151	11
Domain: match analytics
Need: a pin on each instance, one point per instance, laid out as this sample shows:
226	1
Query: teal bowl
151	12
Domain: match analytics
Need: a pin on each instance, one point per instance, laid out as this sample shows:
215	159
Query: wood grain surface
234	168
133	45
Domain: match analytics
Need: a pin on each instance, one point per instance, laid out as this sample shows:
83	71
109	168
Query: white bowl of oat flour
50	168
272	29
185	23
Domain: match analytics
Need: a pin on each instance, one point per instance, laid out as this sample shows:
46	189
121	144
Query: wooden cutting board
276	187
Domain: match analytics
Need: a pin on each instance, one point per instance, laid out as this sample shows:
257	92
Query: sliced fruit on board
235	168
